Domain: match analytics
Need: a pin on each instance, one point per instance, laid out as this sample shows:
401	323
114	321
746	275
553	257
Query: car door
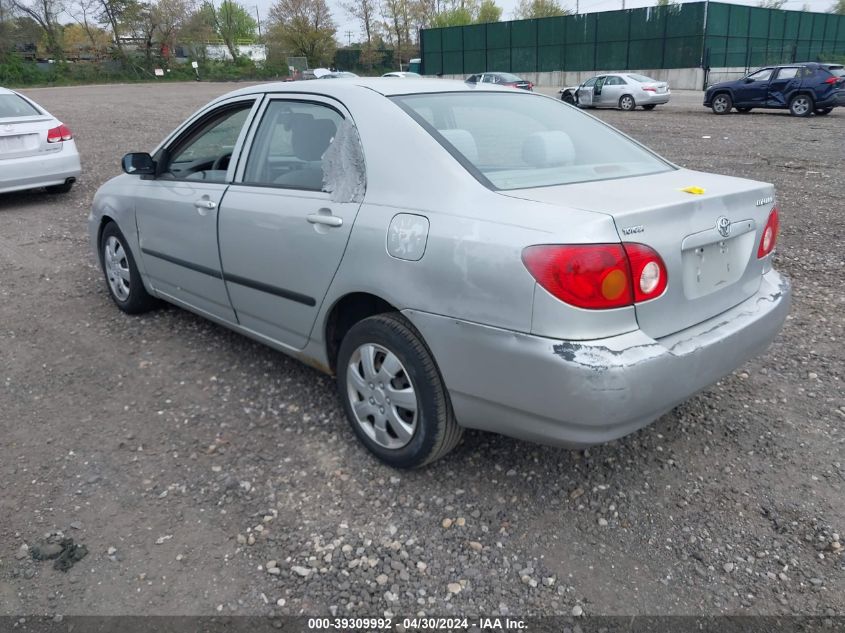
753	90
176	211
281	236
598	90
612	90
783	83
585	92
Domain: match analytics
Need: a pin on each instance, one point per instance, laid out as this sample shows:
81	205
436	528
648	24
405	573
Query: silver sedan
36	149
625	91
458	257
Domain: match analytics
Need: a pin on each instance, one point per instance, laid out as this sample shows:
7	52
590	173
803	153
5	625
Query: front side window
288	147
489	79
11	105
205	151
513	141
787	73
761	75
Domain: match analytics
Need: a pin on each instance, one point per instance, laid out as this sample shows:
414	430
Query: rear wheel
801	105
626	102
65	187
650	106
393	394
743	110
823	111
722	103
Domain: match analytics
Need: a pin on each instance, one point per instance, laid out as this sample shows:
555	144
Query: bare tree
364	11
397	16
84	13
46	14
171	17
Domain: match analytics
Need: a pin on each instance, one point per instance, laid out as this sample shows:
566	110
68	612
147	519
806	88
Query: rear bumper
42	170
587	392
653	99
836	99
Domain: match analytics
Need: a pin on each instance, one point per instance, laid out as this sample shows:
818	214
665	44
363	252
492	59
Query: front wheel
122	277
722	103
823	111
393	394
567	97
801	105
627	103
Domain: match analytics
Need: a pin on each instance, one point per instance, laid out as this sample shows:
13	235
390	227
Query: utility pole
257	19
349	38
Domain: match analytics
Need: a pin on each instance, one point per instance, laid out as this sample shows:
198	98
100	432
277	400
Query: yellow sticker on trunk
696	191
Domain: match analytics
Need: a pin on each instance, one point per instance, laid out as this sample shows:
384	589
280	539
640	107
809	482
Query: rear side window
806	71
11	105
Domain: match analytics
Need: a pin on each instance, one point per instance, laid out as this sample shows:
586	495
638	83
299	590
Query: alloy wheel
117	267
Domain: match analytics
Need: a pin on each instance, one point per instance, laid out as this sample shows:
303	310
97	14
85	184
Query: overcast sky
344	24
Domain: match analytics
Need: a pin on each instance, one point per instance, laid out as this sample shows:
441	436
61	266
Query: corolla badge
764	201
723	225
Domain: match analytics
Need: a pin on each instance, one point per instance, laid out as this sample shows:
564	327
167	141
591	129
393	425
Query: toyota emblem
723	225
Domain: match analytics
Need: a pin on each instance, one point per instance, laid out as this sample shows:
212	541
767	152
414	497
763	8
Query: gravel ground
207	474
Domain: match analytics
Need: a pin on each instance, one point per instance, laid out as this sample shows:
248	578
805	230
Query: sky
344	23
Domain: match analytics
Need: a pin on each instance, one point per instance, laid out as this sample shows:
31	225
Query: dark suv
804	89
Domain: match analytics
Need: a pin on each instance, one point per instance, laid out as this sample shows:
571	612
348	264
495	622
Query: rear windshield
508	77
642	79
836	71
12	105
514	141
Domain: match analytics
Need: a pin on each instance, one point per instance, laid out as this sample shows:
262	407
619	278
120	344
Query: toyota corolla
458	257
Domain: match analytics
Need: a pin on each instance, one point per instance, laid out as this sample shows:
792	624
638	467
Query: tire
65	187
402	437
567	98
650	106
743	110
627	103
122	277
722	103
801	105
823	111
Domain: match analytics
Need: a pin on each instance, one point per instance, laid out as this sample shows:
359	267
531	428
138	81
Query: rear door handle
327	220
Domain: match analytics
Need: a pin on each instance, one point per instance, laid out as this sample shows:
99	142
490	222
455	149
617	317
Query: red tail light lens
831	80
597	276
648	272
770	234
593	276
59	134
649	88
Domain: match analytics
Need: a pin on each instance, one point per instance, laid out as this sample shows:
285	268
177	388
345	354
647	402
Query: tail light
770	235
59	134
831	80
597	276
649	88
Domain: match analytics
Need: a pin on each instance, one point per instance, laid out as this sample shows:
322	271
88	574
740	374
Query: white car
36	149
402	74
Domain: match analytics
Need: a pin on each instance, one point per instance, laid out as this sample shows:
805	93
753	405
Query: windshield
11	105
513	141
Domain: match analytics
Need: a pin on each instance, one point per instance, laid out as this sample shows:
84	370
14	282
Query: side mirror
139	164
749	80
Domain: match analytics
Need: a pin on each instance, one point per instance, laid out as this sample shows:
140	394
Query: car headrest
548	149
462	141
312	137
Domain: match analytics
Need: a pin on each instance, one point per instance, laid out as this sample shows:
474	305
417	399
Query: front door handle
324	219
205	204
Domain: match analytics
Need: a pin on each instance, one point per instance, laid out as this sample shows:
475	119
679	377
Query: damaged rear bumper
587	392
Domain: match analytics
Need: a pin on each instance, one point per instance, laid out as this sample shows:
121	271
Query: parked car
402	74
803	89
625	91
500	79
36	149
338	74
458	257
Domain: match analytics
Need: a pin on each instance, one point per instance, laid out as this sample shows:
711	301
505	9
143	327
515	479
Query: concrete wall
678	78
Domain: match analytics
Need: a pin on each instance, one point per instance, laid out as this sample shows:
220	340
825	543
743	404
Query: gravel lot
207	474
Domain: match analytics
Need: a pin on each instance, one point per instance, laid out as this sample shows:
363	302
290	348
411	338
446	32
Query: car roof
380	85
6	91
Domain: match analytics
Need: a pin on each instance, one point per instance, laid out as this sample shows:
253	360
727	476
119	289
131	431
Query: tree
46	14
230	22
84	13
488	11
115	14
6	27
364	11
304	28
771	4
171	17
397	16
839	7
527	9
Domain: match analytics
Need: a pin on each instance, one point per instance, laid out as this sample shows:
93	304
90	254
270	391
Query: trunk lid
708	271
26	136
